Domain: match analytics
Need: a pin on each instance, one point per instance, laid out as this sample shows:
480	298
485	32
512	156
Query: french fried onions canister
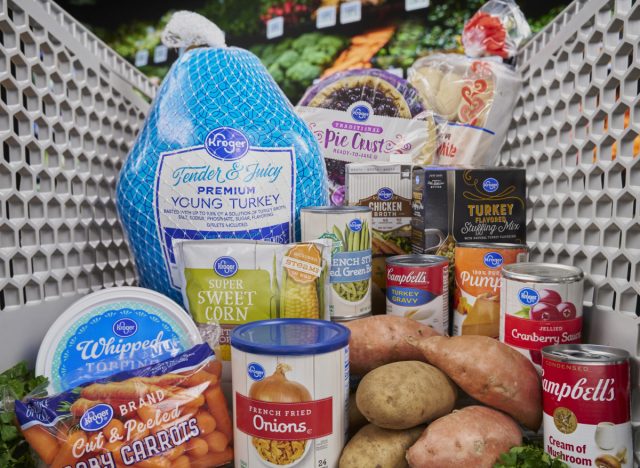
290	393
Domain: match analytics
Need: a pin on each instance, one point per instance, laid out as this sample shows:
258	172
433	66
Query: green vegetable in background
15	383
304	73
288	59
528	456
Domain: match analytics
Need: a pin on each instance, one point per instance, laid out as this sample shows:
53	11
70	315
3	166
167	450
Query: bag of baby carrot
172	414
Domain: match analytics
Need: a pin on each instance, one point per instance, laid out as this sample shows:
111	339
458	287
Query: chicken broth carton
452	205
386	189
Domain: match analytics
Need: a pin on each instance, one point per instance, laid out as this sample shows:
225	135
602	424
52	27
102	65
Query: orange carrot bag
172	414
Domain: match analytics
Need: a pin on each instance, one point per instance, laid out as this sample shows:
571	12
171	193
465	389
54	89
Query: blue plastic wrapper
221	155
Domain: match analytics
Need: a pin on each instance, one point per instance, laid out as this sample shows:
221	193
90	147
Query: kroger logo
528	296
226	143
125	327
360	113
225	266
385	194
493	260
255	371
490	185
355	225
96	418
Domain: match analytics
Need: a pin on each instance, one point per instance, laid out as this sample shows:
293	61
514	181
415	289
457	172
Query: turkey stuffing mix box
467	205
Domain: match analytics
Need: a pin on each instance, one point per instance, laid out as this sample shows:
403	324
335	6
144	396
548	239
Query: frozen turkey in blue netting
222	154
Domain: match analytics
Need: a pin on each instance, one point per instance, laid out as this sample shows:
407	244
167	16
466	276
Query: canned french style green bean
349	228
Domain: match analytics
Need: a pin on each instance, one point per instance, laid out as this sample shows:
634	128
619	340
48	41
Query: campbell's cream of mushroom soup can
290	393
586	401
540	305
349	229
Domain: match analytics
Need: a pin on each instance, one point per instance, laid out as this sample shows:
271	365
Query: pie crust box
367	116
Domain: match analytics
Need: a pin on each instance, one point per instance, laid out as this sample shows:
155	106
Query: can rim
585	353
535	272
336	209
416	260
246	337
491	245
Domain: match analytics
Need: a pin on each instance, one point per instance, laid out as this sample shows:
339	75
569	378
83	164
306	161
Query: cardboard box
467	205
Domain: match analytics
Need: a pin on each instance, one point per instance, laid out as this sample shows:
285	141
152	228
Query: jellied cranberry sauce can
540	305
586	401
418	288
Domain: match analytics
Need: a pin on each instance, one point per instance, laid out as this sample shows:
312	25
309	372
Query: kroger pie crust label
224	189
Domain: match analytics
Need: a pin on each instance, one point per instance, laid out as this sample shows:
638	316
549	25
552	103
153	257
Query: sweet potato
374	446
491	372
405	394
474	436
381	339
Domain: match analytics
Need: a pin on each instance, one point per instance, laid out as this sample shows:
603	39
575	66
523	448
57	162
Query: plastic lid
111	330
290	337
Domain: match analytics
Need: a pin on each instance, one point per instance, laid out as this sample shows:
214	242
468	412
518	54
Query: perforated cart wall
575	129
70	108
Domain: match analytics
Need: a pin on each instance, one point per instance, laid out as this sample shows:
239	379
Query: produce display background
70	108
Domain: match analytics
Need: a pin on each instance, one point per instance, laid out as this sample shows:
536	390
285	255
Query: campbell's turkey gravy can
290	393
586	401
540	305
418	288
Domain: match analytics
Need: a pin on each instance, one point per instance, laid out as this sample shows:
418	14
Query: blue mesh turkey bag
222	154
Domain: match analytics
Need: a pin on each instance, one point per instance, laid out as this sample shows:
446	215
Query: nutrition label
205	193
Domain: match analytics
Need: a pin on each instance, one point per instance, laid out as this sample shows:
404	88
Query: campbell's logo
96	417
412	277
360	113
125	327
603	390
528	296
255	371
355	225
490	185
493	260
225	266
385	194
226	144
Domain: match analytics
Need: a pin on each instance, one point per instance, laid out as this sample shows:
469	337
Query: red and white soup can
418	288
540	305
586	401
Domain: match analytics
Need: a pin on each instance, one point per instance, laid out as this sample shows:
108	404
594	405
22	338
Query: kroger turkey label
587	414
289	409
224	189
535	315
420	293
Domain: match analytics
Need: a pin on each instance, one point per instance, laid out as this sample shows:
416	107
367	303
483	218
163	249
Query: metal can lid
585	353
336	209
490	245
296	337
416	260
542	272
